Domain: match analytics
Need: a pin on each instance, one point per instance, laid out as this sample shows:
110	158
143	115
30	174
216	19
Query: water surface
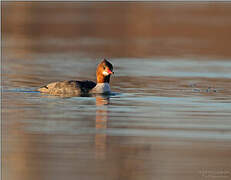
169	116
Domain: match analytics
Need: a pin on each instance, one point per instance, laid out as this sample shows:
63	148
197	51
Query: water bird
78	88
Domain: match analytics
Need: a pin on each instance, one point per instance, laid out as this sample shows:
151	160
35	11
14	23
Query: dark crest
108	64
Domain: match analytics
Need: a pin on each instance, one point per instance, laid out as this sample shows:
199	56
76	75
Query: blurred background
176	29
170	118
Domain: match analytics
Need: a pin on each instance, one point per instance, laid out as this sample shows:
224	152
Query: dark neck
103	79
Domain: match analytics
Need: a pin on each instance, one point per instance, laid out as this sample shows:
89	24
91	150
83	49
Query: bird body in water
75	87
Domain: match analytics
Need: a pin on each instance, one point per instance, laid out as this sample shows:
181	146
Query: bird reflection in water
101	125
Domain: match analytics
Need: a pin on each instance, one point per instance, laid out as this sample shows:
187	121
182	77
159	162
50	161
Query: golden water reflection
101	120
164	125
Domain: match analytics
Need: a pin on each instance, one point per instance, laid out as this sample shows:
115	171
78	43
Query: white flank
102	88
